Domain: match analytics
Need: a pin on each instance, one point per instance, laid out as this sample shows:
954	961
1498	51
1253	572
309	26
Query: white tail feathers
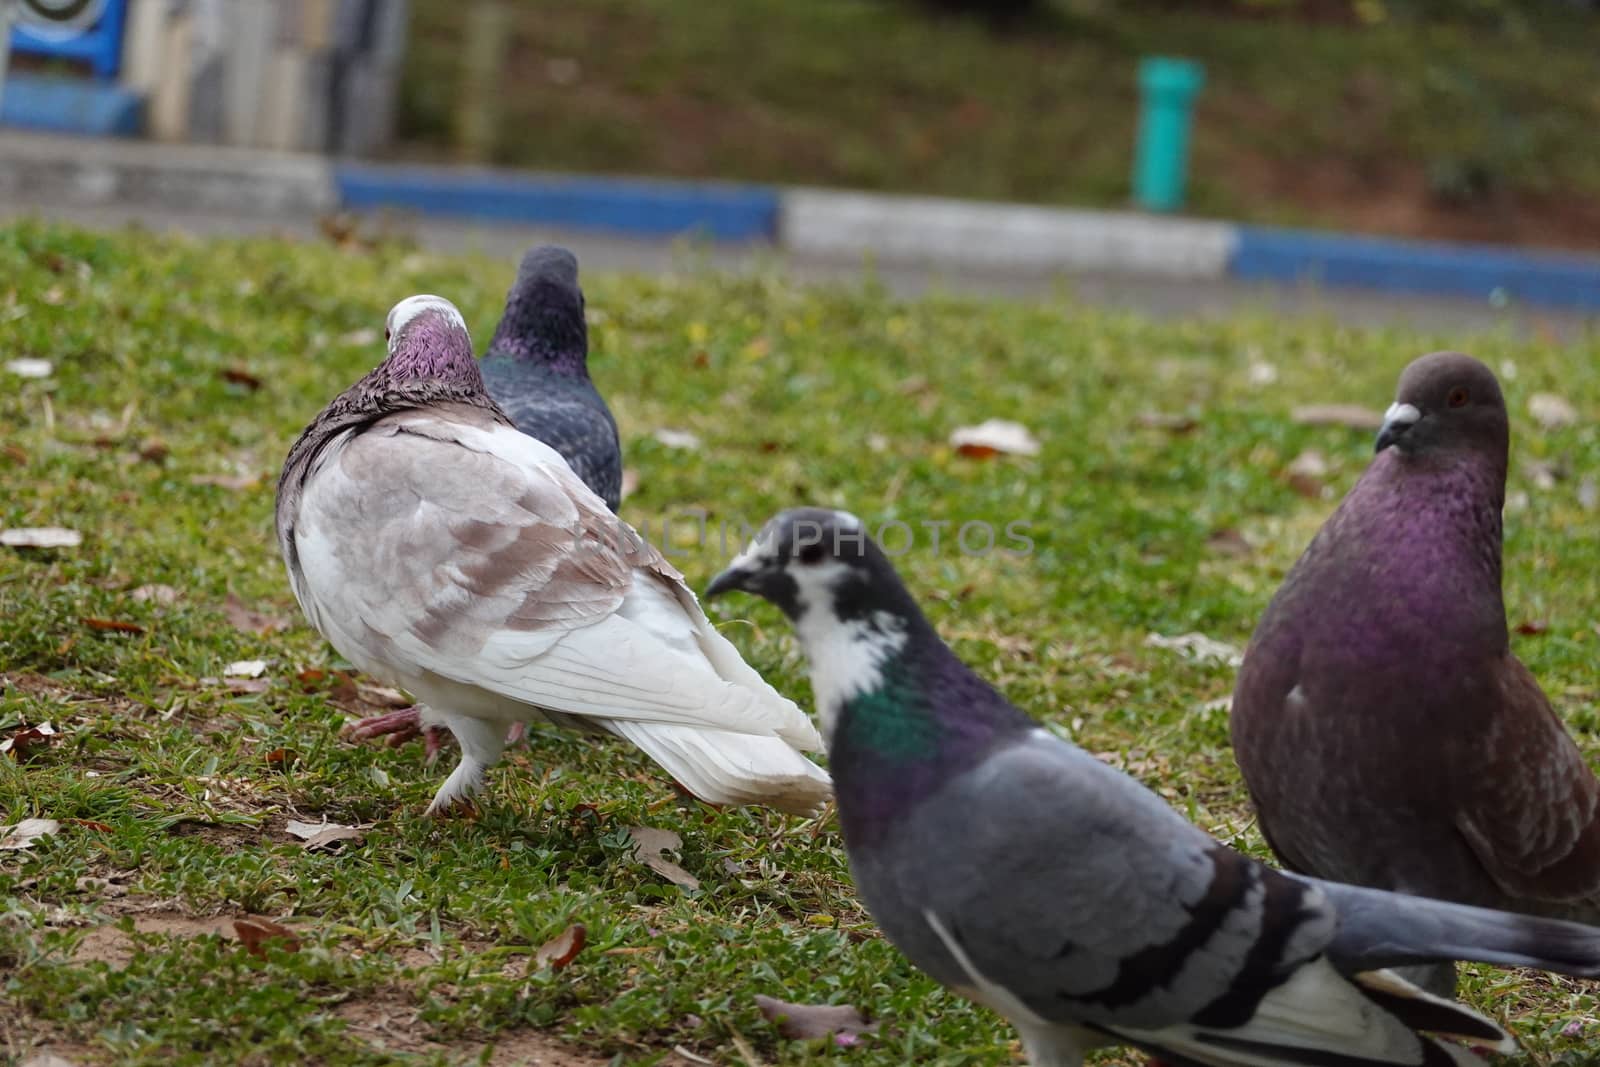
721	767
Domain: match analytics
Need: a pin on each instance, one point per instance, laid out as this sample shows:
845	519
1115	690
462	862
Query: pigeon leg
400	726
481	743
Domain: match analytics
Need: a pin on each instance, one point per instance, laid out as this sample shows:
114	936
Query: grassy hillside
1480	128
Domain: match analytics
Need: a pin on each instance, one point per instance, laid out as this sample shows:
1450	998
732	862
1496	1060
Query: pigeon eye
810	554
387	333
1457	398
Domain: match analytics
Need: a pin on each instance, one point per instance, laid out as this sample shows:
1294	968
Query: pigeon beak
735	577
1396	421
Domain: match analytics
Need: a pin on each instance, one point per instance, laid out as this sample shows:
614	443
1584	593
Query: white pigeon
442	551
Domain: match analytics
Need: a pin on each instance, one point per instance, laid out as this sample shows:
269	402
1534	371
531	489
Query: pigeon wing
1118	914
1534	822
440	544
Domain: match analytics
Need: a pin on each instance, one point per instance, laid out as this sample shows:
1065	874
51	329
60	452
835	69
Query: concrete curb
723	212
180	178
1483	272
961	233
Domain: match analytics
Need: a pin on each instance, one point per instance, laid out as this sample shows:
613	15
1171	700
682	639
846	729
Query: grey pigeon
537	370
1388	735
442	551
1025	874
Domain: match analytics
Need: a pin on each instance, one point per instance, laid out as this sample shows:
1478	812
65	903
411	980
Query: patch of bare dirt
387	1021
114	946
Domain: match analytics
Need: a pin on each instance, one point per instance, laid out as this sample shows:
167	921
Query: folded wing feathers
1322	1019
471	554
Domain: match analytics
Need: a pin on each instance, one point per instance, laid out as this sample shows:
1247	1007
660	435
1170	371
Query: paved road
1158	297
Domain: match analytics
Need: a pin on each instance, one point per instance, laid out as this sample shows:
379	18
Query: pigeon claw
400	726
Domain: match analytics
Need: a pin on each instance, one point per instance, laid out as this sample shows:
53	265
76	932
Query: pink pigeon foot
401	726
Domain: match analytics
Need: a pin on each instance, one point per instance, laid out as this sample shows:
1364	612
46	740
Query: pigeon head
543	319
428	339
1447	403
818	566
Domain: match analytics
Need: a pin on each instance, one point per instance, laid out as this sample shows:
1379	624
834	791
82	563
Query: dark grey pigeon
1388	735
537	370
441	550
1027	875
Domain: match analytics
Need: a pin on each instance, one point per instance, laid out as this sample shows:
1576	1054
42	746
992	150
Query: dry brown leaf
560	950
241	376
1532	627
1354	416
382	696
41	537
18	744
46	1058
248	621
1552	411
26	834
649	846
805	1022
118	626
256	934
1197	646
1229	542
157	594
992	437
325	837
154	450
246	685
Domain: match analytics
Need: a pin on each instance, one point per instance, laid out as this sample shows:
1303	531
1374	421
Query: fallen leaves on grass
1532	627
1551	411
155	594
18	744
41	537
844	1023
1353	416
325	836
1198	646
245	668
116	626
1229	542
256	934
241	376
1306	473
649	848
993	437
560	950
630	482
678	439
30	368
26	834
248	621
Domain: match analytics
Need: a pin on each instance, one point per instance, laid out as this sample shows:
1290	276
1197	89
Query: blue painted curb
641	207
1471	270
67	105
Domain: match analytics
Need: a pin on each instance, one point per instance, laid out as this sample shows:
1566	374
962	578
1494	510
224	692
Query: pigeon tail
721	767
1382	929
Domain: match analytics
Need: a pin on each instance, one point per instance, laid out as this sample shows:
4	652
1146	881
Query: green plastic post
1167	89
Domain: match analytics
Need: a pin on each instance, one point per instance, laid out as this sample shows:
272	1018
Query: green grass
432	924
1473	128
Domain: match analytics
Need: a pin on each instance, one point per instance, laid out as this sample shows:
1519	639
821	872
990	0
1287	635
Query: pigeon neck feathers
903	715
543	324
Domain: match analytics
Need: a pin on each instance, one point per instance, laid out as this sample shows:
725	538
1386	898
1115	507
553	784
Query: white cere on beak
1404	414
402	313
